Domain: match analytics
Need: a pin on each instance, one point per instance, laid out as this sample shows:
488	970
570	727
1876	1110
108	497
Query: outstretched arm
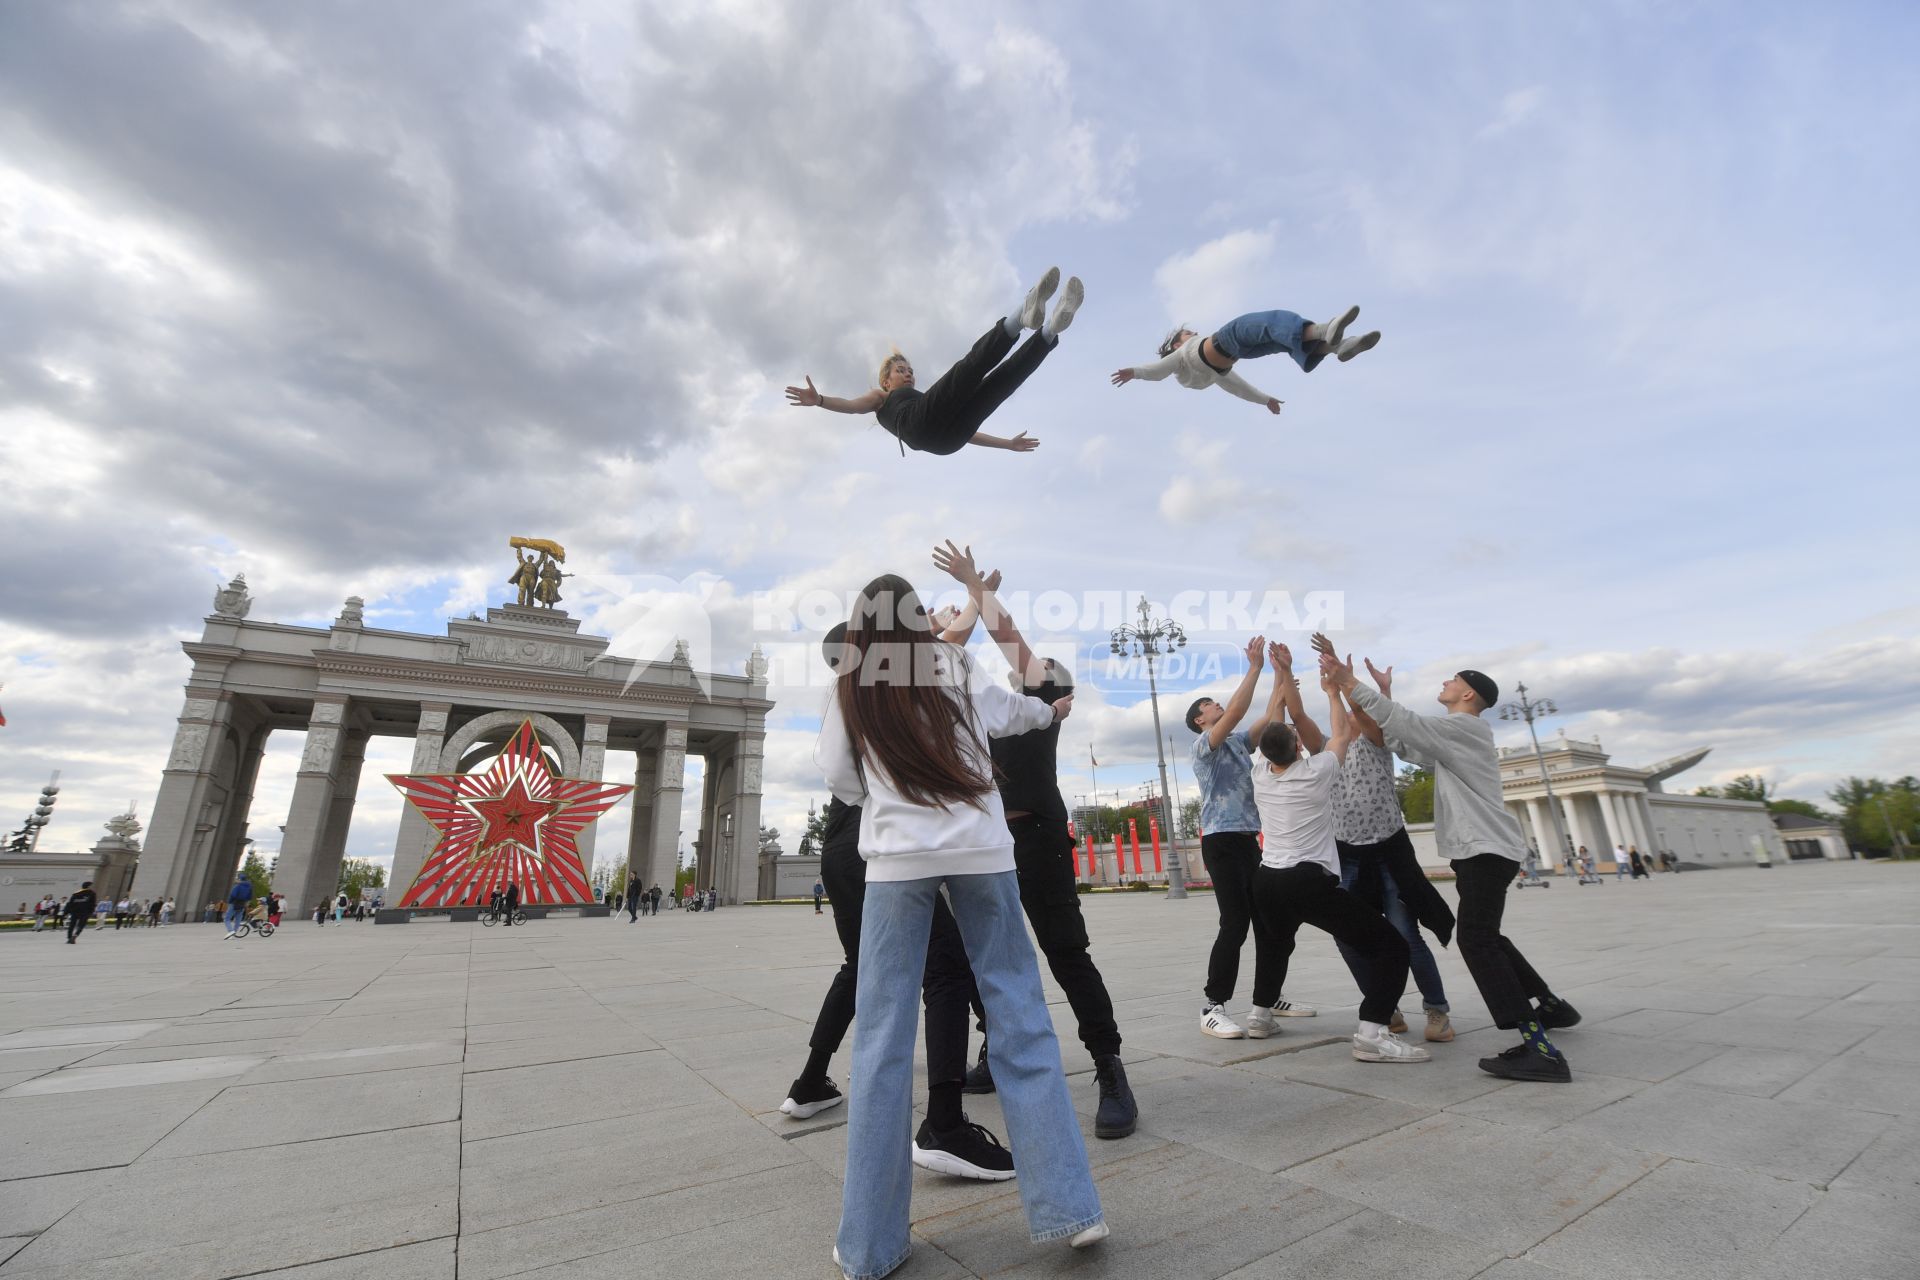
980	596
809	396
1343	727
1022	443
1365	724
1150	372
1242	697
960	630
1282	659
1239	386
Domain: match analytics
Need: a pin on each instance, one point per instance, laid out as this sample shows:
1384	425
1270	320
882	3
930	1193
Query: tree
1748	786
816	833
357	875
1415	786
1873	812
1190	820
1801	807
256	873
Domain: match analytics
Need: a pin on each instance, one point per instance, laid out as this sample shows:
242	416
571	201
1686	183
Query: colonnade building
459	697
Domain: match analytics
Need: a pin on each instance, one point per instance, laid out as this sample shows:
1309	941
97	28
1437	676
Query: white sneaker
1386	1047
1352	347
1335	329
1215	1022
1092	1235
1034	309
1287	1009
1070	299
1260	1023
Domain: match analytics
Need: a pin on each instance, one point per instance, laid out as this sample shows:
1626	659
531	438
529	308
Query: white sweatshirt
901	840
1190	370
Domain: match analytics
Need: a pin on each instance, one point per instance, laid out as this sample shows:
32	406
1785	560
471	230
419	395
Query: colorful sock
1536	1037
943	1106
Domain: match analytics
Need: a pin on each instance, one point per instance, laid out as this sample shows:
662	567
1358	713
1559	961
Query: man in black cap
1484	843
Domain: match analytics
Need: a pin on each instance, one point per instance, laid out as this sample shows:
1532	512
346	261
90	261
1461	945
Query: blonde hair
886	366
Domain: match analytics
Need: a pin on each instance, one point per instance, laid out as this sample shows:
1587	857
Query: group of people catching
946	836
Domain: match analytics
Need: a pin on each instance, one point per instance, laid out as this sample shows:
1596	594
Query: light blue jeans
1266	333
236	912
1426	974
1056	1184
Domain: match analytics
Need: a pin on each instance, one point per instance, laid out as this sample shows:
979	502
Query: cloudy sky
341	295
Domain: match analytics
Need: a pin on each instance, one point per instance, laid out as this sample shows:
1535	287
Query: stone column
749	752
1577	825
1611	820
300	876
417	836
167	862
593	767
331	850
1646	821
669	786
706	843
1550	854
646	768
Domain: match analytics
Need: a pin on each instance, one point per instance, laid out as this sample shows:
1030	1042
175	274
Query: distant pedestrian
237	899
633	897
153	914
653	900
1619	862
1638	864
339	908
80	910
819	891
510	902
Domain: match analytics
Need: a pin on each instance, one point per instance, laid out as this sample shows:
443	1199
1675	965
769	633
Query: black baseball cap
1483	685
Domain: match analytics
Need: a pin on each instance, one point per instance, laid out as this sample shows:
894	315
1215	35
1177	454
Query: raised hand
1256	651
803	397
1273	406
1023	443
1322	645
1331	668
958	564
1382	680
992	583
1121	377
1062	707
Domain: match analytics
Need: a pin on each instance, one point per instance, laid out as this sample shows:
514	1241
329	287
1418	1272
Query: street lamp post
1530	710
1149	640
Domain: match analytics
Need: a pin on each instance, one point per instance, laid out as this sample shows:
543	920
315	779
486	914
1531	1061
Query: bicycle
492	918
246	927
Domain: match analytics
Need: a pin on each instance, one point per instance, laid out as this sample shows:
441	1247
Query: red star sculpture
516	822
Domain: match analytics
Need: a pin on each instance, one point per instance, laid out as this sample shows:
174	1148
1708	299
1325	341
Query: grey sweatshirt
1468	815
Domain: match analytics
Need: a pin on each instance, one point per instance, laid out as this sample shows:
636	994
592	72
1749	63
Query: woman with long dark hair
904	736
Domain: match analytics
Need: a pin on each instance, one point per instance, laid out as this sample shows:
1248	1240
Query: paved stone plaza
598	1098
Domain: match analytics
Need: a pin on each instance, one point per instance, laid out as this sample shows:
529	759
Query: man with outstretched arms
1484	843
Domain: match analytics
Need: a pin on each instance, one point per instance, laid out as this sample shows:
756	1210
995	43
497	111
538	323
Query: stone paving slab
578	1099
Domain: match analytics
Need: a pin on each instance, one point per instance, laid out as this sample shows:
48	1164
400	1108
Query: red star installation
516	821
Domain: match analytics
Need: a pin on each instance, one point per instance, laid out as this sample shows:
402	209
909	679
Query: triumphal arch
463	698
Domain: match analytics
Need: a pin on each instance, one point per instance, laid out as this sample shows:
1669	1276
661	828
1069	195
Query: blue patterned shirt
1225	775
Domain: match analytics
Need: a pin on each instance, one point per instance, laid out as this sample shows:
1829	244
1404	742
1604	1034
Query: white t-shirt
1296	811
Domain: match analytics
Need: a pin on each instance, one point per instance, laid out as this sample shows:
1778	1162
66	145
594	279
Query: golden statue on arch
537	578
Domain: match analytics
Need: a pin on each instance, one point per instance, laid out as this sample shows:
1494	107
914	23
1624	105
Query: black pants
946	986
945	418
1043	858
1308	893
1396	854
76	925
633	908
1230	858
1506	981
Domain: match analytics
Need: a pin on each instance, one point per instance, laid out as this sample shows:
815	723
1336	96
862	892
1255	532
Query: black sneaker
1118	1111
807	1098
1528	1064
970	1151
979	1075
1557	1015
